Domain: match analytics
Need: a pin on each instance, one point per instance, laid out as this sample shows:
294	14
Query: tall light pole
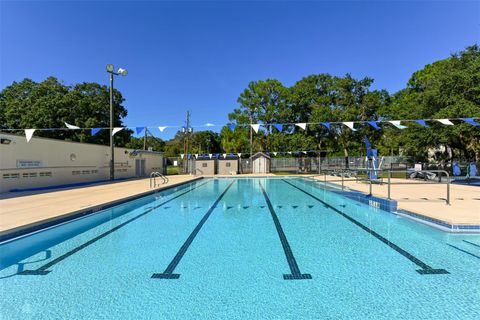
120	72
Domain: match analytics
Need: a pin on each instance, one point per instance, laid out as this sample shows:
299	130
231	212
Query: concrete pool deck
425	199
25	210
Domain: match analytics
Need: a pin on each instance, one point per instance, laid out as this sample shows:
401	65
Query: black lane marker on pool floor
425	268
168	273
473	244
295	273
41	271
464	251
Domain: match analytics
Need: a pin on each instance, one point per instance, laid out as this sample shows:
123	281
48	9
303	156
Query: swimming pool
280	248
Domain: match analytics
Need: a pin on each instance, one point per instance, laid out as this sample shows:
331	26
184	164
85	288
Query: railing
153	179
430	177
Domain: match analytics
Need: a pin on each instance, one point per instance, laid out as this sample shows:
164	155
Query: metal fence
318	164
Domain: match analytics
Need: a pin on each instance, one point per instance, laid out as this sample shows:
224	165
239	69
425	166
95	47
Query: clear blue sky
199	56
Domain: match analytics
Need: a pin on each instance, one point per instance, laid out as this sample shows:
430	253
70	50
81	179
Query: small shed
228	165
261	163
204	165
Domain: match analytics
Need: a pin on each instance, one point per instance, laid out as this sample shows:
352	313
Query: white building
261	163
44	162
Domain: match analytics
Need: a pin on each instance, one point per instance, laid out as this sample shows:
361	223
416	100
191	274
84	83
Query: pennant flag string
279	126
421	122
117	129
471	121
445	122
301	125
326	124
71	126
374	125
397	124
350	125
29	134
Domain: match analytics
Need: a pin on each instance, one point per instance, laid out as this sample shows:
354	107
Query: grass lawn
171	170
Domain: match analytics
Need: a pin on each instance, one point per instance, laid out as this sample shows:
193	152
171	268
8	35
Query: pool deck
426	199
25	210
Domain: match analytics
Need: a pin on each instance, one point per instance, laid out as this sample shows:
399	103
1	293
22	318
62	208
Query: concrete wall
47	162
227	166
205	166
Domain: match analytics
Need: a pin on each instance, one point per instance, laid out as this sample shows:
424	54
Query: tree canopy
48	104
449	88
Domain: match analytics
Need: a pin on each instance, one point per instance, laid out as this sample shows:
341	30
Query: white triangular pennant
196	155
181	155
445	122
239	154
210	155
117	129
350	125
301	125
397	124
305	152
29	134
255	127
162	128
224	155
289	152
71	126
274	153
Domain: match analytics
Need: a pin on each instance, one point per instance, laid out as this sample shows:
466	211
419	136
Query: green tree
48	104
155	143
448	88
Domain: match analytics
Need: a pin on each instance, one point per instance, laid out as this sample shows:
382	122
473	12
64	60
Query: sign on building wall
29	163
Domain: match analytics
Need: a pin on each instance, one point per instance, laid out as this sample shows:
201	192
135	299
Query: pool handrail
153	178
354	172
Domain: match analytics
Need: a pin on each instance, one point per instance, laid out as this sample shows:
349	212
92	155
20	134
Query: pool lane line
464	251
43	270
425	268
473	244
295	273
168	273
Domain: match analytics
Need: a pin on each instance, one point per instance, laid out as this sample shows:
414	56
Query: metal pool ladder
153	179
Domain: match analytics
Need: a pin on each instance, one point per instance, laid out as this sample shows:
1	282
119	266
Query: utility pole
187	132
145	139
120	72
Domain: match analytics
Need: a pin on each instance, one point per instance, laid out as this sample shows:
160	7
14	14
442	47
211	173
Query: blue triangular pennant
139	130
326	124
94	131
421	122
374	125
278	126
471	121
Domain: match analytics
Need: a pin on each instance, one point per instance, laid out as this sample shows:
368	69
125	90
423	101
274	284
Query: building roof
260	154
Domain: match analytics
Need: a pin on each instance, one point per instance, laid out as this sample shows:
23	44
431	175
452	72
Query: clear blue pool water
241	249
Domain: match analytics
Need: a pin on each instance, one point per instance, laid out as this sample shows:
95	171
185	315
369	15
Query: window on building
228	164
204	165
